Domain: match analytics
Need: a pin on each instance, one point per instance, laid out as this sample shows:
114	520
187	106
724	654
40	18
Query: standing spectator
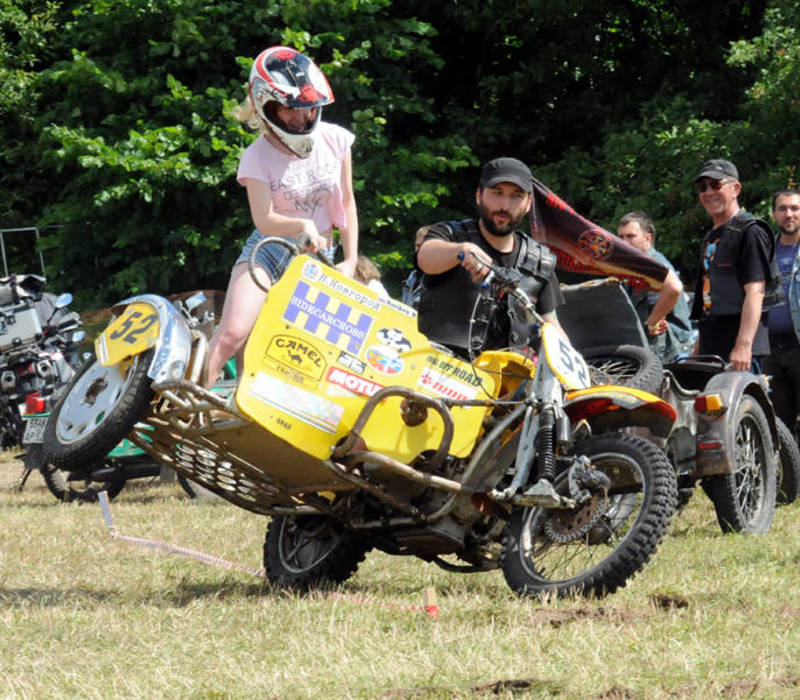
367	273
783	363
671	336
734	271
298	176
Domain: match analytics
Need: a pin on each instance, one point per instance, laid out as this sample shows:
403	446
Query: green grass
84	615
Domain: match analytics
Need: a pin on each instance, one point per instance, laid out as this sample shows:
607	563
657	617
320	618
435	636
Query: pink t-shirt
303	188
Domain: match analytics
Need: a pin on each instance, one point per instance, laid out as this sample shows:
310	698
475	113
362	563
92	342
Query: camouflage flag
584	247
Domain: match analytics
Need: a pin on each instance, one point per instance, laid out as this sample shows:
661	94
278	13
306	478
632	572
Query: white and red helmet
283	76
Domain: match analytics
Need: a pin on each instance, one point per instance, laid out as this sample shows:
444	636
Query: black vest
448	300
727	294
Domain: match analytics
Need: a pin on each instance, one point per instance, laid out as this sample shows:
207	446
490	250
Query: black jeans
783	365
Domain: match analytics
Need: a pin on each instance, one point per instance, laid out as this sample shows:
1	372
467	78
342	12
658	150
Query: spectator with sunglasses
735	269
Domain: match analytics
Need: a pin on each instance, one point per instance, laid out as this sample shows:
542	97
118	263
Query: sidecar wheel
98	408
545	551
82	490
627	365
310	551
745	500
788	465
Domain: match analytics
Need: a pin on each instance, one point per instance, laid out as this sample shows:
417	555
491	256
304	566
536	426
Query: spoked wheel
745	500
597	547
788	465
310	551
627	365
84	490
98	408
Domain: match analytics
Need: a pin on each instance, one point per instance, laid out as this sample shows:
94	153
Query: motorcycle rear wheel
310	551
642	498
98	408
745	500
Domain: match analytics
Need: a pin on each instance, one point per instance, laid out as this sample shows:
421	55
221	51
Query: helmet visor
293	121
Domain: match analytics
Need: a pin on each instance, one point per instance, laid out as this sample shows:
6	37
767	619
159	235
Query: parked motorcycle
352	431
37	346
122	463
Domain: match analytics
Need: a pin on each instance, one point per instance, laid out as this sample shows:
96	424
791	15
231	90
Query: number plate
564	360
133	332
34	431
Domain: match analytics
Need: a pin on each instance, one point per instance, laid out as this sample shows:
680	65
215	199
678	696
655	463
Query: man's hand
741	357
474	261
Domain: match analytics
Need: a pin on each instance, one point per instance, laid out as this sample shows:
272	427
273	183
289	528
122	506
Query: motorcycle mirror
63	300
194	301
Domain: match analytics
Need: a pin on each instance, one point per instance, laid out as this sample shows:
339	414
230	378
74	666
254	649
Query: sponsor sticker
315	272
394	338
454	369
352	363
303	405
384	359
298	355
445	385
352	382
327	318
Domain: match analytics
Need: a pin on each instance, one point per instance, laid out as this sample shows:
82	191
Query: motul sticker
352	382
443	385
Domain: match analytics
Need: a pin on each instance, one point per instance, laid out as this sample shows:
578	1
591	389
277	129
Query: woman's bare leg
243	302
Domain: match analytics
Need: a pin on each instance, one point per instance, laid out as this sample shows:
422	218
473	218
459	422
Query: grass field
83	615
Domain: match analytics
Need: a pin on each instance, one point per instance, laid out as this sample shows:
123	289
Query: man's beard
790	232
492	227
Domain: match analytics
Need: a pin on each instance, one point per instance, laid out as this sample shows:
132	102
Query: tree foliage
117	130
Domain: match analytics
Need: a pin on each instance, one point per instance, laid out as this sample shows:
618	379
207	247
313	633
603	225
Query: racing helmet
283	76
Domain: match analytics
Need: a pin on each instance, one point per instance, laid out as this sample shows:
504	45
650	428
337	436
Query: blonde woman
298	177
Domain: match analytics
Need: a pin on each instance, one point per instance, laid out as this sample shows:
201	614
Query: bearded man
454	256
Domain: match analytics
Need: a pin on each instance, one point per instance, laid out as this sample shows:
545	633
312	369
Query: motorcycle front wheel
310	551
597	547
98	408
745	500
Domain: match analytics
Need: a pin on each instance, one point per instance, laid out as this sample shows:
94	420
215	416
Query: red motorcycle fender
611	407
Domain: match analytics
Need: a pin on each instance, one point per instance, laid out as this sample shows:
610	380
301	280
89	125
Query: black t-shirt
453	330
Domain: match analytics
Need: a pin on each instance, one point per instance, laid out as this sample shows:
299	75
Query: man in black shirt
454	254
734	269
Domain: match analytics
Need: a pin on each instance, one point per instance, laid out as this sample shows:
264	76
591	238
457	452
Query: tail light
35	403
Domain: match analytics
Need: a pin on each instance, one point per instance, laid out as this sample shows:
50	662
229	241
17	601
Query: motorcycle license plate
133	332
34	431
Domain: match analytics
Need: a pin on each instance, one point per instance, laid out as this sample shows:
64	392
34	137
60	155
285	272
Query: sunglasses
713	185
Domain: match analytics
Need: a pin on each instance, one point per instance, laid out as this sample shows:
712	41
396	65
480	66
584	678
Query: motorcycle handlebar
301	245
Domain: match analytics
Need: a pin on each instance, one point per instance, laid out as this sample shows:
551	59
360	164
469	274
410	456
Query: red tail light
34	403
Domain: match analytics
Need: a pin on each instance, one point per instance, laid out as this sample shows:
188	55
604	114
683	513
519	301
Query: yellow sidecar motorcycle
353	431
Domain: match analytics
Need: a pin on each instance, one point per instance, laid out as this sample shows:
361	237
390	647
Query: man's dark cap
718	169
506	170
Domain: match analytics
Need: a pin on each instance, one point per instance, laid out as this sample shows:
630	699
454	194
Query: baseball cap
718	169
506	170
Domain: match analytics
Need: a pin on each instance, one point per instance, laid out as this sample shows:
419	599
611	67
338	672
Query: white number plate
34	431
565	361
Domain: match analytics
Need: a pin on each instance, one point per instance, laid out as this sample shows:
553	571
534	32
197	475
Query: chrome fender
612	407
173	347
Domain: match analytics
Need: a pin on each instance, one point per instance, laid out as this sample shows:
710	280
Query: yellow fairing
131	333
323	344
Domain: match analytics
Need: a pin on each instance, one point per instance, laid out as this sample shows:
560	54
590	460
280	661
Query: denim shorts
273	257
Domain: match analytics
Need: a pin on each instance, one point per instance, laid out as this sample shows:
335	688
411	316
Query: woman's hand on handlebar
309	240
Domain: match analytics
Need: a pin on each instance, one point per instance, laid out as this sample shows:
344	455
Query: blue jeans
273	257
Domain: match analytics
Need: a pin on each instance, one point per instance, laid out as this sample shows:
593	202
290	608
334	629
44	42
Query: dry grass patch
87	616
